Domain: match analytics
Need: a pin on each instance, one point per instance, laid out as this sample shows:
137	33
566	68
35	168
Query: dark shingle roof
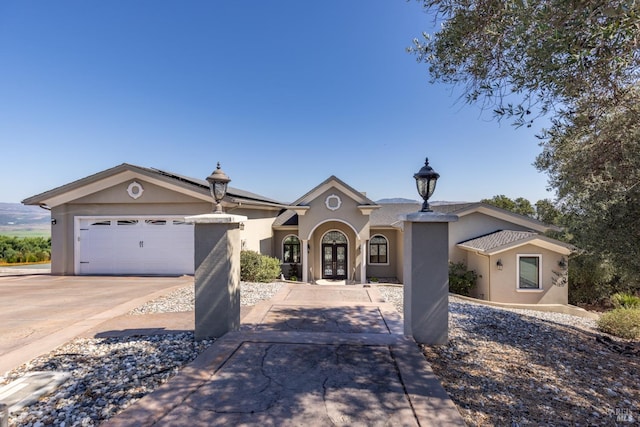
231	191
287	217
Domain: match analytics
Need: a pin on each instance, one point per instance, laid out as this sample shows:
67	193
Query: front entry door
334	261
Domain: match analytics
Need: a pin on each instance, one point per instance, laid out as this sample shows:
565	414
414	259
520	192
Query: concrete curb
554	308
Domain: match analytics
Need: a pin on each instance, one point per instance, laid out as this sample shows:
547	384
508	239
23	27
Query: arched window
334	237
291	249
378	250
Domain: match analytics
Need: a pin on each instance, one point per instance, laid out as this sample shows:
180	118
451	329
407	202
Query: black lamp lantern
426	182
218	181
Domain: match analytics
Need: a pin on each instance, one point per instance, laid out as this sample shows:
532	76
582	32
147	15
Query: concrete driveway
40	312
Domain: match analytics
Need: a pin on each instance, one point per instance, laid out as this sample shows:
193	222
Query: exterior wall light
499	264
426	183
218	181
562	263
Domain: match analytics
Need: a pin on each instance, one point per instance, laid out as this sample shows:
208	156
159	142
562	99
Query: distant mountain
396	200
19	214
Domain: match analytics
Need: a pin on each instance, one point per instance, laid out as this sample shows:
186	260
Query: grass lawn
28	230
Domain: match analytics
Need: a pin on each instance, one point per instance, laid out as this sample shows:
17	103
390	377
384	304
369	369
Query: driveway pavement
312	355
40	312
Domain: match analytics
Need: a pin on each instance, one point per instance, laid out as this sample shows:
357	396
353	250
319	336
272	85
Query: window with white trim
529	272
378	250
291	249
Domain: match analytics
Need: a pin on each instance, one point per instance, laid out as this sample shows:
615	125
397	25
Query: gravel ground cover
110	374
183	299
513	367
500	367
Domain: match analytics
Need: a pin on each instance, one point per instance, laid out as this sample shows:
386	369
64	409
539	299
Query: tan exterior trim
334	182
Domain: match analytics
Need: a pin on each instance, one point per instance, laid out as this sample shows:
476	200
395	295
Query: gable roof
388	214
190	186
336	182
504	240
463	209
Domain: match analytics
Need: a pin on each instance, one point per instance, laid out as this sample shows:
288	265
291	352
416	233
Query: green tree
501	201
27	249
594	163
520	205
547	212
546	53
578	63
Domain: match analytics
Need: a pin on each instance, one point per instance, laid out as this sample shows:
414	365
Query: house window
291	249
378	250
529	272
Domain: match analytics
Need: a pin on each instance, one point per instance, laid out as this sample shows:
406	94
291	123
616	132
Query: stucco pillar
304	252
426	276
217	274
363	261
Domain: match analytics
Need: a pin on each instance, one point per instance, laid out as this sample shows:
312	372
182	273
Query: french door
334	261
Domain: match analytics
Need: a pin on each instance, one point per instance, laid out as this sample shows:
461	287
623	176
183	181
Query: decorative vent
135	190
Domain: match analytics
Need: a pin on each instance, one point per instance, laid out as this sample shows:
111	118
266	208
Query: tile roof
498	239
389	213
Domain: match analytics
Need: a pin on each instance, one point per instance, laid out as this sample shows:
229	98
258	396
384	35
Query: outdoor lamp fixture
426	182
562	263
218	181
499	264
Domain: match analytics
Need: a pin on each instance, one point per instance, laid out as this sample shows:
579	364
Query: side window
291	250
378	250
529	272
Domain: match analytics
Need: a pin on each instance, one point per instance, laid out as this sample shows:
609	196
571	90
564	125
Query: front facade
130	220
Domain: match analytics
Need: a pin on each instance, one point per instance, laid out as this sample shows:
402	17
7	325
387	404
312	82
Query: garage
134	245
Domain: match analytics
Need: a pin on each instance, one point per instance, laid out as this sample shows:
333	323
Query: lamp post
218	181
426	180
426	266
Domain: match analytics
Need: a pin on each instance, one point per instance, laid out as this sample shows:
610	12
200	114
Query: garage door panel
136	246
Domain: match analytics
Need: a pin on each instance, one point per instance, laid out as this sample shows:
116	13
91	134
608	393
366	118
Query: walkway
329	355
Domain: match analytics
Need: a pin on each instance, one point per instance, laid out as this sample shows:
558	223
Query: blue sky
283	93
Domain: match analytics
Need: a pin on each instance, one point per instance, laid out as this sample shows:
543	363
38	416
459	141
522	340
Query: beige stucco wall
471	226
115	201
400	257
319	219
347	213
480	264
257	235
504	282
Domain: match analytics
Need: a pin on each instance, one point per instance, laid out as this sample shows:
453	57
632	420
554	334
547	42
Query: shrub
592	280
255	267
625	300
461	280
621	322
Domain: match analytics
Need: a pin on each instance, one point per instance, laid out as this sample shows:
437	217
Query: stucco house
130	220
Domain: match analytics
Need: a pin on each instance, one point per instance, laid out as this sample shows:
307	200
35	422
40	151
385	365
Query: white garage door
149	246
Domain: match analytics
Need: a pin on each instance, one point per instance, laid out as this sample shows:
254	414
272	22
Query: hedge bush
621	322
255	267
461	280
24	249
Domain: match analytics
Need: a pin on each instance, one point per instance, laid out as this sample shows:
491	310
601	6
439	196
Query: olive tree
577	63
